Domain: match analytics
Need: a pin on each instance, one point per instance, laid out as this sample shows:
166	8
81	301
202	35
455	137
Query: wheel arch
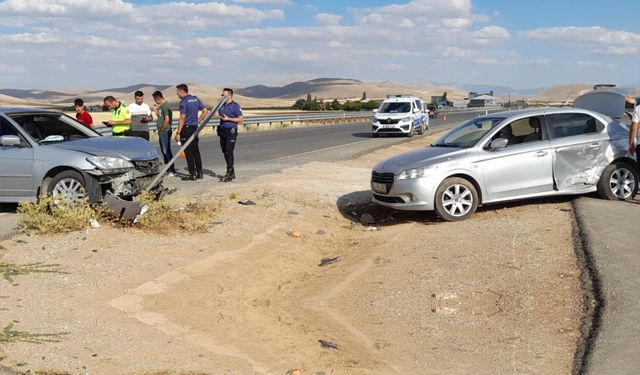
469	178
44	184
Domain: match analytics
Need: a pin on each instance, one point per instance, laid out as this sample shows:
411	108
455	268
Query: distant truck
400	114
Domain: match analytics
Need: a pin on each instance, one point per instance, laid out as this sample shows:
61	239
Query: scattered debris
328	345
294	233
327	261
566	210
296	371
321	232
373	229
94	223
247	202
367	219
292	212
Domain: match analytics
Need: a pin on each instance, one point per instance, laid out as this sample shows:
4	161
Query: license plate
379	188
387	126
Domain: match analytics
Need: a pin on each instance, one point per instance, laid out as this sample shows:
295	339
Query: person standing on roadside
140	116
187	125
163	123
120	122
634	145
82	115
230	116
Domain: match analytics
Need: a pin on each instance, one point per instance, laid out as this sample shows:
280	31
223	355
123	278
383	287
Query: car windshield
468	133
395	107
46	128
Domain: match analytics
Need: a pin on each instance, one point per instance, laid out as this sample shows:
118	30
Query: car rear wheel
619	181
67	187
456	199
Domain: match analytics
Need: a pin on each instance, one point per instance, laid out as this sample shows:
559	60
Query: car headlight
110	164
411	174
405	119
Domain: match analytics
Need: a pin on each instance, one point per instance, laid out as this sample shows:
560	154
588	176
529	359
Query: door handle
594	145
540	154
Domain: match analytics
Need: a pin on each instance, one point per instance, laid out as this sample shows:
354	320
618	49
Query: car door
16	166
523	167
579	144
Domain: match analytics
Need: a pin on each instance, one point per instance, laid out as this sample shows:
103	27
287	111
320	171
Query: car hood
418	158
129	148
392	115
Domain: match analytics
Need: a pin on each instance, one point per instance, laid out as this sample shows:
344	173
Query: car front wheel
67	186
456	199
619	181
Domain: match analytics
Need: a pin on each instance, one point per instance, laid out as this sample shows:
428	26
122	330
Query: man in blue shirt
187	125
230	116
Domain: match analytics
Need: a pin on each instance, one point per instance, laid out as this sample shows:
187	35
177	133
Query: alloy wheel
68	190
622	183
457	200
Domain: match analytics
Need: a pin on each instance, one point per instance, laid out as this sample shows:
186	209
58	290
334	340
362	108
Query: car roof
18	110
538	112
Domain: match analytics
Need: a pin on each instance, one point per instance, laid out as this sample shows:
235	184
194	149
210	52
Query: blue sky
522	44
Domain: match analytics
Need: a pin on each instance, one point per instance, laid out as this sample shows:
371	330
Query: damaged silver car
515	155
47	152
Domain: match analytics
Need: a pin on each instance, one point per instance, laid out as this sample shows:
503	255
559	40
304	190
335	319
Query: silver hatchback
515	155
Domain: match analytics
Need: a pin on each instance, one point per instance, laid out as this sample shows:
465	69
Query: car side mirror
498	143
375	111
10	140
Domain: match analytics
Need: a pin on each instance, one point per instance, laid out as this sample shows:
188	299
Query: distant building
482	101
475	94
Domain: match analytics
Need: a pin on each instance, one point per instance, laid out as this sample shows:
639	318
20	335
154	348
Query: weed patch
46	217
10	270
9	335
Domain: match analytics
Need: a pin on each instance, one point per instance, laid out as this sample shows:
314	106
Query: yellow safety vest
120	114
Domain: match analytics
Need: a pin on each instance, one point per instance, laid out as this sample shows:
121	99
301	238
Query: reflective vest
120	114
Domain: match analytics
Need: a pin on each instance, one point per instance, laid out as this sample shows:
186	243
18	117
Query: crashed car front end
120	177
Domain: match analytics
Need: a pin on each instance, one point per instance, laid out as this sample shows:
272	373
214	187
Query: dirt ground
498	294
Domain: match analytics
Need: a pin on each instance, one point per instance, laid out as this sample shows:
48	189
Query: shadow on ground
353	206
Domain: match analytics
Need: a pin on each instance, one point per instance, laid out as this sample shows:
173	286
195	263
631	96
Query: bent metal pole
204	123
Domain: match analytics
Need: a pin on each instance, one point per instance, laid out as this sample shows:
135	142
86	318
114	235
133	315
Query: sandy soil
498	294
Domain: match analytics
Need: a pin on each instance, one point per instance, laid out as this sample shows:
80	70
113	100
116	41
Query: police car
400	114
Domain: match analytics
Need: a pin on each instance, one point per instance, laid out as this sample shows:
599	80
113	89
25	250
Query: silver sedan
515	155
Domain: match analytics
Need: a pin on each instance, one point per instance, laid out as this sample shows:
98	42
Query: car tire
619	181
421	130
456	199
412	130
375	135
68	186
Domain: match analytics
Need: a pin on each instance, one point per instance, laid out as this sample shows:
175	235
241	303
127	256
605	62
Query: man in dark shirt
230	116
81	113
164	116
187	125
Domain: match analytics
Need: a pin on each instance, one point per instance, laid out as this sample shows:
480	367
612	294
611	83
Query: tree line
315	104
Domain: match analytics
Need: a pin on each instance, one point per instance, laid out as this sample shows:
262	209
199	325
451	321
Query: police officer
187	125
120	122
230	116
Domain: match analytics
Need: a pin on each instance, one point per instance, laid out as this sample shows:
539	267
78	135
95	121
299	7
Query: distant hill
32	94
561	93
296	89
500	90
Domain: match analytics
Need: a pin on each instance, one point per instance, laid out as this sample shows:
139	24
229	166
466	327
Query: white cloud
204	62
491	33
596	39
279	2
327	19
31	38
392	67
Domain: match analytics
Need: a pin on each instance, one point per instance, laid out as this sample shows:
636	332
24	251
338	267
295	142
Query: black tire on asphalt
421	130
446	184
374	135
63	175
604	184
411	131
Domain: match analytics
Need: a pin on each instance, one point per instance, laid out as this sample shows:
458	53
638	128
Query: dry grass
47	217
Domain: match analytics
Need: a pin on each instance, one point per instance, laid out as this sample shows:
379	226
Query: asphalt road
259	153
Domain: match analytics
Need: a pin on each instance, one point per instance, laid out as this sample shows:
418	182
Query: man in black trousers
230	116
187	125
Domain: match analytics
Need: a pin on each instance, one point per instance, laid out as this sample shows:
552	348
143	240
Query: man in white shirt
634	147
140	116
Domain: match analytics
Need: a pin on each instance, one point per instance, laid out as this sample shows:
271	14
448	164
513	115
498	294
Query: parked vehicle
400	114
47	152
515	155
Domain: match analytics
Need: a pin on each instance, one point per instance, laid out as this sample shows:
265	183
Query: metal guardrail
270	120
329	116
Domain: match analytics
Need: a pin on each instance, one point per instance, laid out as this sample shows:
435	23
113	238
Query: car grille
385	199
383	178
147	166
389	121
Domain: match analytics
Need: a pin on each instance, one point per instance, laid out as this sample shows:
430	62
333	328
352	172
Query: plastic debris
247	202
94	223
327	261
328	345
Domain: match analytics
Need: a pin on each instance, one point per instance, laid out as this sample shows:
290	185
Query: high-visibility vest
120	114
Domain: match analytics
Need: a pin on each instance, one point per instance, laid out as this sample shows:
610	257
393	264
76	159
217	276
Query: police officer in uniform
230	116
120	122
